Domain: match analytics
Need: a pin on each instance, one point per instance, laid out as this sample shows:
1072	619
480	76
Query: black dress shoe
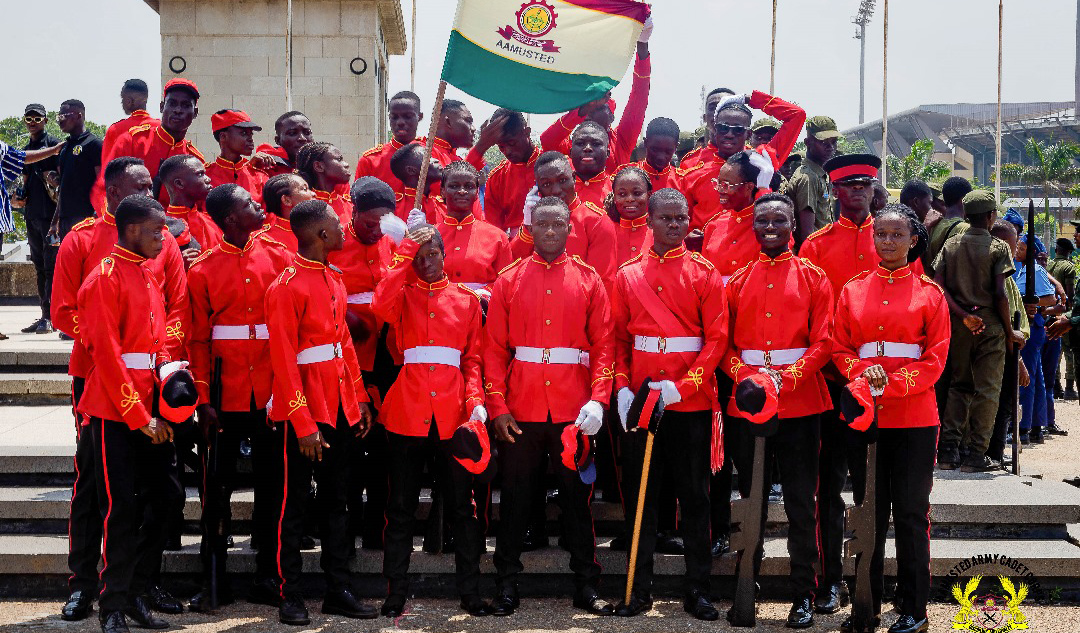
307	542
142	616
505	603
801	615
79	606
30	329
173	544
980	464
342	602
619	544
698	605
265	591
669	544
163	602
200	602
113	622
588	600
45	326
1056	430
475	606
636	606
847	626
908	624
292	611
393	606
720	546
830	601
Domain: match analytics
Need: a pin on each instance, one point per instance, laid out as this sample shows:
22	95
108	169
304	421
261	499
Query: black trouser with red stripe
216	515
407	456
292	481
84	523
520	464
840	445
680	459
905	475
135	489
795	448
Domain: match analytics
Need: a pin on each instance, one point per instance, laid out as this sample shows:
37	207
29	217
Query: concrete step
26	358
35	384
36	554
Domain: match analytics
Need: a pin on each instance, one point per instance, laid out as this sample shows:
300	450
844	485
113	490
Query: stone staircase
975	517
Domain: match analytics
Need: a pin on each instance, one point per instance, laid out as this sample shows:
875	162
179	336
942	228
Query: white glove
393	227
877	393
668	390
168	368
484	293
479	413
625	399
591	418
531	200
740	99
646	30
416	218
765	169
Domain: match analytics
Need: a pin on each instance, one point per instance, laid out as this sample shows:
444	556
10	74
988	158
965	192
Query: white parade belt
552	355
773	357
319	354
432	354
724	278
240	332
891	350
361	298
136	360
471	285
667	345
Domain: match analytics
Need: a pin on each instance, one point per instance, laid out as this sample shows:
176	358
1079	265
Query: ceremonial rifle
863	522
213	493
746	516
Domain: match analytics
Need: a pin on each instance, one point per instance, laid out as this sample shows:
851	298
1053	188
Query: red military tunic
340	202
422	315
442	152
82	249
278	228
782	304
475	251
504	194
897	306
621	139
686	284
281	165
199	224
129	318
362	267
667	178
558	305
730	242
695	156
153	145
376	162
592	238
632	238
435	209
241	173
699	178
595	189
115	131
843	250
305	313
227	287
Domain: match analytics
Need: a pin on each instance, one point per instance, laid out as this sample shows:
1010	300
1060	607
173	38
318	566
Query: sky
940	51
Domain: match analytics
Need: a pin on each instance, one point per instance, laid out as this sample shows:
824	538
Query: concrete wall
235	51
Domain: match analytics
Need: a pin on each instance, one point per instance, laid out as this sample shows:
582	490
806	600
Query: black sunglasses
724	128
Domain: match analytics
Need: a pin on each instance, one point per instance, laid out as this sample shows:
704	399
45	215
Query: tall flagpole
885	99
997	139
288	56
772	60
412	45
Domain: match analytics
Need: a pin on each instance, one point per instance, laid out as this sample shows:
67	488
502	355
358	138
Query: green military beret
821	127
765	122
979	202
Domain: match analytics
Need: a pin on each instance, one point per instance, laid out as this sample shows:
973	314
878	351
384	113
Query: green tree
1053	170
919	164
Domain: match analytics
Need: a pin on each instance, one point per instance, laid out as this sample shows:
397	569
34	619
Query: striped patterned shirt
11	167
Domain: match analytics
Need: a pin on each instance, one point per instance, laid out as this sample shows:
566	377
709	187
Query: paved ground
15	318
535	616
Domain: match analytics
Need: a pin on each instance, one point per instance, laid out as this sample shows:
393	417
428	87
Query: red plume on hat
577	453
177	395
756	400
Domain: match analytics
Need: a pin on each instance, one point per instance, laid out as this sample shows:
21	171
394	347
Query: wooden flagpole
436	115
885	99
412	45
772	59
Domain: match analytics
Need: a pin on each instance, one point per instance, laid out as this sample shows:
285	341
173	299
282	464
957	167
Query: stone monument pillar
240	53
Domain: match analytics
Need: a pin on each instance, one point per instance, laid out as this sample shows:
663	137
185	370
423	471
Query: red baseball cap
228	118
182	84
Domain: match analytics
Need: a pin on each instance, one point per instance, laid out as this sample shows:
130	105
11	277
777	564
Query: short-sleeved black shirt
76	163
39	206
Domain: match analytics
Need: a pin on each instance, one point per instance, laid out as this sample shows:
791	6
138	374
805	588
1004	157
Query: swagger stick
637	516
647	409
